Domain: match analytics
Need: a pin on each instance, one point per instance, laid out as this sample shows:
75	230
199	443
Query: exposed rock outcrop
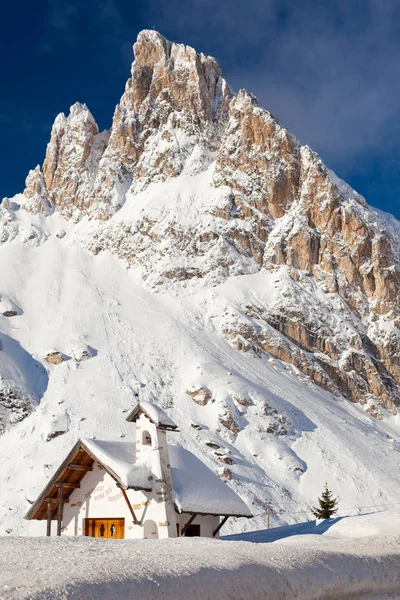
227	460
201	395
55	358
15	405
226	474
229	422
57	426
8	308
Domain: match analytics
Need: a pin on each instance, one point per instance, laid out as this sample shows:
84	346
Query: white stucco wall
99	497
207	524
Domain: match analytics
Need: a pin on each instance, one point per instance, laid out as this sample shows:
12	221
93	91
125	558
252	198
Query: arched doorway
150	530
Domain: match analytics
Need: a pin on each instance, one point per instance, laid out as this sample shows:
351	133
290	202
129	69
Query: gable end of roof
154	413
62	475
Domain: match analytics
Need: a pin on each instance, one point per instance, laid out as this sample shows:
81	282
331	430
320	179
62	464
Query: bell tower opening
146	438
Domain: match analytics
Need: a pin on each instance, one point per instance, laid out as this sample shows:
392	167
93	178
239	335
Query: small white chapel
148	490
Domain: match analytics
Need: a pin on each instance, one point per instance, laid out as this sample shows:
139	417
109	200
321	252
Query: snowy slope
381	523
161	346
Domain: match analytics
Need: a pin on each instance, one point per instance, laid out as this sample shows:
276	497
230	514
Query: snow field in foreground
355	559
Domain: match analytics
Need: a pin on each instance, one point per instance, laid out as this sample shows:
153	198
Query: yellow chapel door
105	528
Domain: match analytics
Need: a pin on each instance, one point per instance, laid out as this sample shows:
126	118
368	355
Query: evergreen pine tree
327	505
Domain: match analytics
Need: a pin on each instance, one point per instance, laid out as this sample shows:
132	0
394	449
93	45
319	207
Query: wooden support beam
65	501
49	516
224	520
192	518
66	484
125	495
60	508
80	468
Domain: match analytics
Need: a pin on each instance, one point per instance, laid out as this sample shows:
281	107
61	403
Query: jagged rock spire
72	157
169	120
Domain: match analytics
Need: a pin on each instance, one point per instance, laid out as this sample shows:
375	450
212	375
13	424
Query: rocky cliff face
72	159
194	184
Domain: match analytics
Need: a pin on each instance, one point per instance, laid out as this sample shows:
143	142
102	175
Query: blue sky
330	71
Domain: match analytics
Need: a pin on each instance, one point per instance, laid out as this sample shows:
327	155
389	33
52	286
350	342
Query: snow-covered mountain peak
193	185
199	251
78	113
169	121
179	68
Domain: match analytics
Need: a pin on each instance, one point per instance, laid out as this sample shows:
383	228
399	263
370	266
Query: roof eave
138	488
210	514
169	427
42	496
131	417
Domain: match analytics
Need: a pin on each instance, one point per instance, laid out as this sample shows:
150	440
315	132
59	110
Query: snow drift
356	558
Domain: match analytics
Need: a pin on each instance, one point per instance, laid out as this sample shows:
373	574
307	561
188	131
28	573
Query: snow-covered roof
197	489
119	457
156	415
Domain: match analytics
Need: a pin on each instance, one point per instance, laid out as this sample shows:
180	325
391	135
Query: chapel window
146	438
